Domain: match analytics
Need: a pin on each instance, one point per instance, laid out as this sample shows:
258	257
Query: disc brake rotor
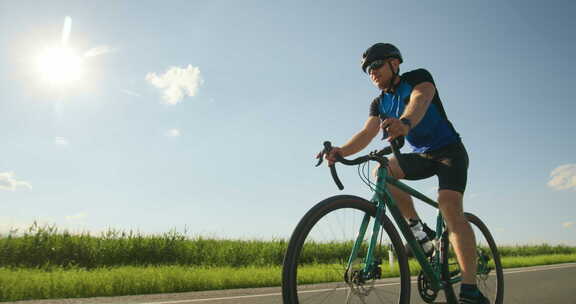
357	286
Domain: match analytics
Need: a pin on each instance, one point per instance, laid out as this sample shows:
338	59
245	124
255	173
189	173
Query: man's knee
393	169
451	206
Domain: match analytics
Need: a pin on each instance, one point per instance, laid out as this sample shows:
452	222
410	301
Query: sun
60	66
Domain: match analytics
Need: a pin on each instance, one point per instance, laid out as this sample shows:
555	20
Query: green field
45	263
47	247
23	283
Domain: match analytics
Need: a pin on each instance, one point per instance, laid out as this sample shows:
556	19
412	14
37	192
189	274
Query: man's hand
331	157
395	128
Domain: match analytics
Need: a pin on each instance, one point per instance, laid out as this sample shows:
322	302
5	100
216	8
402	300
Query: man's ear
395	64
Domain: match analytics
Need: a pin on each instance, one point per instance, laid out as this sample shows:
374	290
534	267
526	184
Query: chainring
425	289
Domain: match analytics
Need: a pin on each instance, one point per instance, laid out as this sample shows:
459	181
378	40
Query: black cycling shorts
449	163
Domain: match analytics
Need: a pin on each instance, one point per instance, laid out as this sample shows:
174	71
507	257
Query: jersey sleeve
374	111
418	76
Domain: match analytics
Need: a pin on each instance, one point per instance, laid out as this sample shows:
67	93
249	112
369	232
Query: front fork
369	270
371	267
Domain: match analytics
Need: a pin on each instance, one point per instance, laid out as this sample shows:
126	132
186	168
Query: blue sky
205	116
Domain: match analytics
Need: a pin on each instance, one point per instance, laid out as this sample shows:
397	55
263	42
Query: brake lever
384	132
398	141
326	150
320	157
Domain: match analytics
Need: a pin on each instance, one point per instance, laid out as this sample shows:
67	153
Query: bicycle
335	267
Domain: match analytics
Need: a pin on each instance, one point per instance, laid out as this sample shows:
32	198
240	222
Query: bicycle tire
486	247
296	255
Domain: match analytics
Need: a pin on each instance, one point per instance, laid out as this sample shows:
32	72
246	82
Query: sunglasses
374	65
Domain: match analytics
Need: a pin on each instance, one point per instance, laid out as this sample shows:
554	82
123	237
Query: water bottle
422	238
426	246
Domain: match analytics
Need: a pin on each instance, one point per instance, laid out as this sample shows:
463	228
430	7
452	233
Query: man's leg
461	234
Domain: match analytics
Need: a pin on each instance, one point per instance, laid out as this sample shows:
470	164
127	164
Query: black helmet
379	51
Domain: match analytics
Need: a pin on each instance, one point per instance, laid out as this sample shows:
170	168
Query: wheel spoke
322	275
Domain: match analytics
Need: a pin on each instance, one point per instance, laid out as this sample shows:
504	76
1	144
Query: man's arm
361	139
415	110
420	99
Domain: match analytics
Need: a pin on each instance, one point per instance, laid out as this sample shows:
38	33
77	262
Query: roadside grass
47	246
24	284
43	262
57	282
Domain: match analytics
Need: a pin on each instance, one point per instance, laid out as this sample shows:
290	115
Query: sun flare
60	65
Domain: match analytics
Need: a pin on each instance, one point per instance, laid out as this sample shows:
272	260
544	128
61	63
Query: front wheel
315	266
489	274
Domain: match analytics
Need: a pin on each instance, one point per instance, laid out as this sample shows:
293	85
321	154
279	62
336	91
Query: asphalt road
554	284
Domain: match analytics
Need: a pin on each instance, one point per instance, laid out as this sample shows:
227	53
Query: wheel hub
354	277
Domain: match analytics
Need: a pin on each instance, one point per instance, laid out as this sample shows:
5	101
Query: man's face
380	73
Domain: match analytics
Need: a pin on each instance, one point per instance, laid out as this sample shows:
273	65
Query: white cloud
61	141
563	177
568	224
8	182
177	83
99	50
173	133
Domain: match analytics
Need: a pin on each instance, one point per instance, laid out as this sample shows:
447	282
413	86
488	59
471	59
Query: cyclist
414	110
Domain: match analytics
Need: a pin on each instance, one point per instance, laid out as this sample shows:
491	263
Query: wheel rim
322	275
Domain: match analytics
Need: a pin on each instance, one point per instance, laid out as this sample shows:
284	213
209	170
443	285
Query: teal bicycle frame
382	199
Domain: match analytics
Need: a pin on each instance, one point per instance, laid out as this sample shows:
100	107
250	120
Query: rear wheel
489	274
316	261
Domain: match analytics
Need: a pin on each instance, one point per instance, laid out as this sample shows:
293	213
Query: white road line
549	267
216	299
543	268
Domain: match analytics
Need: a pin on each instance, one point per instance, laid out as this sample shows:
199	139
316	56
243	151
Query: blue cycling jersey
434	130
